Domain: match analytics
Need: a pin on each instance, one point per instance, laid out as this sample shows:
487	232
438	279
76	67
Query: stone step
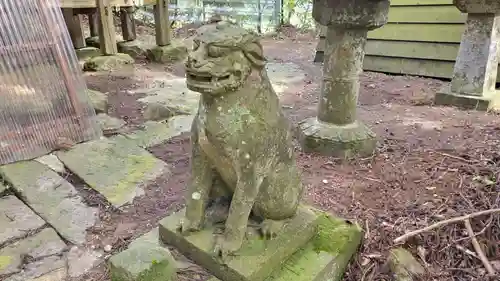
325	257
16	219
257	259
52	198
115	167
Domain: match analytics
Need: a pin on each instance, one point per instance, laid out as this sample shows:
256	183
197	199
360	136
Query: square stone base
468	102
257	259
312	247
339	141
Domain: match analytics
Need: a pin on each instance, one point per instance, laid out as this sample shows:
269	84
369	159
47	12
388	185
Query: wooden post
162	25
107	36
94	24
128	23
74	24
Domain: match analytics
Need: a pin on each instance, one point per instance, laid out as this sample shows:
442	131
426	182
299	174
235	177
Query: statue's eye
196	45
216	51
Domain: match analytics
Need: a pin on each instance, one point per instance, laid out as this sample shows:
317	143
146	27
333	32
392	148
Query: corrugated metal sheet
43	96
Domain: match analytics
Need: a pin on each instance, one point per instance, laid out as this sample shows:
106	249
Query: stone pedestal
312	246
335	131
475	72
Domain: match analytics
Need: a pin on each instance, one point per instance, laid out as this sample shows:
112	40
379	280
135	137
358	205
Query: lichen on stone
332	234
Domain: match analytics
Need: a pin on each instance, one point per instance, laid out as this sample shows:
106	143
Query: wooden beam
128	23
74	24
162	25
107	35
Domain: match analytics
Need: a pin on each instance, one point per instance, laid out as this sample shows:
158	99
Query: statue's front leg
247	189
198	190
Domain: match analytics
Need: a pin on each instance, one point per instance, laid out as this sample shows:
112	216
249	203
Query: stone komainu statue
240	138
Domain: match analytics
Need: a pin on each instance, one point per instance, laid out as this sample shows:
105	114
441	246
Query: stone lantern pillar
336	131
475	72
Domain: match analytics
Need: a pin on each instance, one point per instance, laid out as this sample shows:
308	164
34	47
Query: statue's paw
270	228
226	247
186	226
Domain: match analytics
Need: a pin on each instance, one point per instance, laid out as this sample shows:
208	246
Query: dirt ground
431	163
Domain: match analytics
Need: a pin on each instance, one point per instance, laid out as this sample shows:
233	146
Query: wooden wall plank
420	2
426	14
422	50
427	32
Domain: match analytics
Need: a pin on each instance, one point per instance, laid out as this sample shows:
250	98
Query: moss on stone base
173	52
107	63
87	52
133	48
468	102
340	141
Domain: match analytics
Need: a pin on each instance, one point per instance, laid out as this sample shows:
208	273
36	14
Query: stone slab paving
115	167
51	161
284	75
145	259
51	268
16	219
154	133
81	260
52	198
44	244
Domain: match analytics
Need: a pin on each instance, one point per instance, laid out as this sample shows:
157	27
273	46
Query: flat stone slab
47	269
489	102
115	167
282	75
109	125
81	260
169	98
51	161
16	219
144	260
44	244
52	198
257	259
154	133
325	257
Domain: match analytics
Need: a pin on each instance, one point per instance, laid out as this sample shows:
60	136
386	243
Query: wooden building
421	38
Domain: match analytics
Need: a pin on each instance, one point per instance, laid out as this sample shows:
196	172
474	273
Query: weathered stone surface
47	269
173	52
116	167
478	6
133	48
3	187
155	133
487	102
109	125
404	266
107	63
51	161
16	219
144	260
87	52
255	260
367	14
94	40
171	98
325	257
284	75
346	141
99	101
240	137
81	260
52	197
44	244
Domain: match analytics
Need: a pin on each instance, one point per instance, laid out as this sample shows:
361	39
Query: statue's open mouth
206	78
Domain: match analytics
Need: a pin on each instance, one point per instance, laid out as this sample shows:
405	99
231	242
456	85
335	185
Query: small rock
81	260
404	266
108	248
109	125
99	101
371	86
52	162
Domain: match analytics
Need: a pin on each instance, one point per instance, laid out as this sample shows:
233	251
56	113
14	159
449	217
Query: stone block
325	257
107	63
44	244
52	198
340	141
16	219
154	133
478	6
81	260
144	260
92	41
87	52
257	259
468	102
366	14
98	100
174	52
51	161
133	48
116	168
47	269
170	99
109	125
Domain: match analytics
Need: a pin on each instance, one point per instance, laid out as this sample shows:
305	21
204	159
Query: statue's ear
255	54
